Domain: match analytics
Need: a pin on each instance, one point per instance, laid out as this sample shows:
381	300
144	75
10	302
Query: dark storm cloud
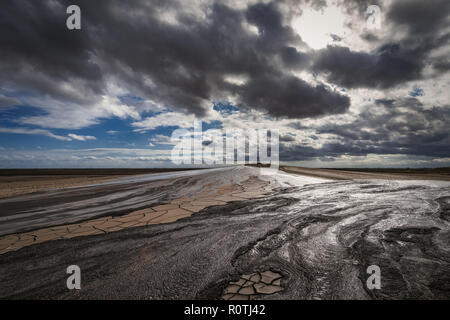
269	22
291	96
369	37
298	152
287	138
37	52
179	64
442	65
388	66
401	126
393	63
420	17
160	50
294	59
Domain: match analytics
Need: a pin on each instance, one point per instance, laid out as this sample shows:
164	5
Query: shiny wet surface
63	206
320	237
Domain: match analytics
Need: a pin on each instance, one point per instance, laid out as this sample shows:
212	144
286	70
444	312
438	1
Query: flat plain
233	233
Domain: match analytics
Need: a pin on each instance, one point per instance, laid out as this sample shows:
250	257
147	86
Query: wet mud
319	238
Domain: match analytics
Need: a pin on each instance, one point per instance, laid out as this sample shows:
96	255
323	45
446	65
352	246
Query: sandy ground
443	175
14	182
17	185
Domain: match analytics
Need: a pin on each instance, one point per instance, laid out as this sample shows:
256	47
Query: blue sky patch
416	92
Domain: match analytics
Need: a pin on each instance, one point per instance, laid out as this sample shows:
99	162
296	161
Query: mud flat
442	174
176	209
301	238
15	182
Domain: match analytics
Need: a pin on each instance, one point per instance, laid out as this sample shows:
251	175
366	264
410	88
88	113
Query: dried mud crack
250	286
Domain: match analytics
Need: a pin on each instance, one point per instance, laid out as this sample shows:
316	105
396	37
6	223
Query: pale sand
14	182
14	186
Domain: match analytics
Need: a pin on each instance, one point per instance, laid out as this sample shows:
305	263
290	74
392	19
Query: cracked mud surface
68	206
164	213
250	286
320	237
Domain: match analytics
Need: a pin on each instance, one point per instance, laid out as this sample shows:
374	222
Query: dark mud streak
444	208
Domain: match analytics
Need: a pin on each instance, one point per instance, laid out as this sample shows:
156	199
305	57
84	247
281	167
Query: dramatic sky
110	95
